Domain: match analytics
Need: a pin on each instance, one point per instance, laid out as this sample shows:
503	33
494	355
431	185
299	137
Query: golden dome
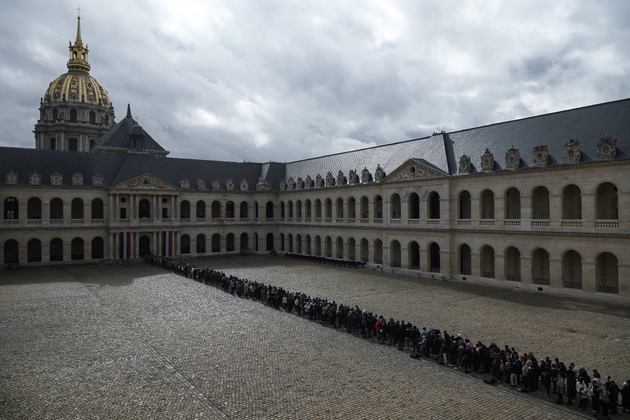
77	85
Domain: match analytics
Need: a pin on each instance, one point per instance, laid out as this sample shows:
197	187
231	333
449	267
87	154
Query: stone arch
307	244
378	208
144	209
269	241
200	209
290	209
282	211
339	248
328	247
318	209
290	242
365	208
244	242
298	244
230	212
76	209
56	209
215	209
434	205
339	205
144	245
318	246
244	210
269	211
352	208
328	208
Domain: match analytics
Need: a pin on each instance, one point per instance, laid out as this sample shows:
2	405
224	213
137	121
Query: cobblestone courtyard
132	341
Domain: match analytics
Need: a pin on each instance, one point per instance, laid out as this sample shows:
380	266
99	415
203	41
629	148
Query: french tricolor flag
167	243
125	245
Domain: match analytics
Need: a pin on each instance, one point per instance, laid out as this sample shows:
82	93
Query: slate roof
118	137
440	151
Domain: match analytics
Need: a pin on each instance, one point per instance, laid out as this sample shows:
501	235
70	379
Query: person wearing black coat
571	382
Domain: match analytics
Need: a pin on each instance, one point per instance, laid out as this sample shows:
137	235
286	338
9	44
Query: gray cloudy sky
286	80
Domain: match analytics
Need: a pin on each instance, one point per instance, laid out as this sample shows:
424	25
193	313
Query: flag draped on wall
125	245
167	243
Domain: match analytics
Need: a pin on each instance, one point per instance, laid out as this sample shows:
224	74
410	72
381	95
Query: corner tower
75	110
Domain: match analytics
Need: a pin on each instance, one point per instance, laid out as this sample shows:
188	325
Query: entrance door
145	245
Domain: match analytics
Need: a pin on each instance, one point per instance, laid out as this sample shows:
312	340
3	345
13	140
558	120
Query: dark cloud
275	80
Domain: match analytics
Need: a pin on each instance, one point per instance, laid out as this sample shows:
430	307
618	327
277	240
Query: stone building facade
539	203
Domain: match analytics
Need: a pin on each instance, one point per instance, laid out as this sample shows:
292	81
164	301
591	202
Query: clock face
146	181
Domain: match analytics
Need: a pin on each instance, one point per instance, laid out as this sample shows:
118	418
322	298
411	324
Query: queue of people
570	384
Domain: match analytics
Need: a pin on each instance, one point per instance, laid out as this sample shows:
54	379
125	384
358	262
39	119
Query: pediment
413	170
144	182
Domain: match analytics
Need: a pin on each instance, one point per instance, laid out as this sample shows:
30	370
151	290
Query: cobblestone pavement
131	341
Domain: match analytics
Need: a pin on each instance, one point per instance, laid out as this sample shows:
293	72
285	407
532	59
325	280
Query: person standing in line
560	389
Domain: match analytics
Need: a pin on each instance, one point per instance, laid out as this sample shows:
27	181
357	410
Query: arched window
34	251
34	209
56	209
434	205
201	209
270	246
229	242
282	242
340	208
414	256
269	210
298	210
487	205
572	270
351	249
540	203
185	244
540	267
244	242
352	208
378	208
55	115
229	210
395	256
339	248
76	249
144	209
607	273
73	144
328	208
365	250
414	206
282	210
216	209
97	248
512	204
365	208
11	252
201	243
434	258
318	209
318	246
216	243
512	264
465	260
184	210
607	202
76	212
97	209
572	202
11	207
73	115
487	262
244	208
307	244
256	212
328	249
92	117
396	212
308	210
378	251
290	209
290	242
56	250
465	205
